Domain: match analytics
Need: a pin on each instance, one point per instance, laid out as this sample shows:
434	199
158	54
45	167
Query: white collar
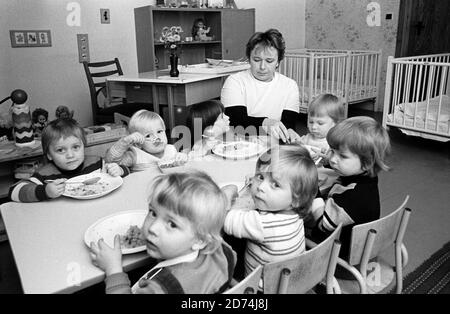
190	257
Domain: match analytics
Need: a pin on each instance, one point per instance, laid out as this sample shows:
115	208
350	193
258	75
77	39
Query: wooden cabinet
230	28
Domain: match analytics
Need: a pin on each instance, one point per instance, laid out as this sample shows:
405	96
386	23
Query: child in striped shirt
283	188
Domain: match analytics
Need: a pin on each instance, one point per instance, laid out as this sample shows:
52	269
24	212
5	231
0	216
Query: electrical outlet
83	47
104	16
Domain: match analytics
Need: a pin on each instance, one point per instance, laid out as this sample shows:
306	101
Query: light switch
104	16
83	47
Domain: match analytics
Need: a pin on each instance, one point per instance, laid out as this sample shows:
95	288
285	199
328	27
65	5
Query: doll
40	120
63	112
199	30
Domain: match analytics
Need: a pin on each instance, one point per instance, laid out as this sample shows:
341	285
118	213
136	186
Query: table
159	88
47	237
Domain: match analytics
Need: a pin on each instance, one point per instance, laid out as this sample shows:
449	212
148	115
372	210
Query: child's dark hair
60	128
364	137
207	112
295	163
39	112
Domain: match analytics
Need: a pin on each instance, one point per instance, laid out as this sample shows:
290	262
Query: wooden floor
420	168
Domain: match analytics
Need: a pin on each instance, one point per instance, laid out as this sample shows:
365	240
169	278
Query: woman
261	96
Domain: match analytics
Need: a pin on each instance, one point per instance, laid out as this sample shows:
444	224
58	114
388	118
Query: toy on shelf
40	120
200	31
63	112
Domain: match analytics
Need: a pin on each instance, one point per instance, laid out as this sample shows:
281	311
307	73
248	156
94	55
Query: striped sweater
33	189
271	236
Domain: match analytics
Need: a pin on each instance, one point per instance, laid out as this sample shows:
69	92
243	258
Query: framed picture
30	38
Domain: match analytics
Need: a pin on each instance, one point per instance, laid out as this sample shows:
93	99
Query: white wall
53	76
288	16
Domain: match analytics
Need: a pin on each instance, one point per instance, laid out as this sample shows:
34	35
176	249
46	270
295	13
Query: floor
420	168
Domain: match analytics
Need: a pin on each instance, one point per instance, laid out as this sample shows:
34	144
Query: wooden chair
97	90
302	273
121	119
249	285
368	241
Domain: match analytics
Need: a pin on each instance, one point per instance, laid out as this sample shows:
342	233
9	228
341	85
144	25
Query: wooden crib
417	96
351	74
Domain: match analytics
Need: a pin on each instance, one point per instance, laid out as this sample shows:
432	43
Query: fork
85	182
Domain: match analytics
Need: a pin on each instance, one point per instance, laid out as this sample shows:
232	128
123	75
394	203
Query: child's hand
135	138
181	158
56	188
114	169
107	258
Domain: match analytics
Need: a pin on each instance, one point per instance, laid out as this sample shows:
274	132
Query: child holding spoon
63	142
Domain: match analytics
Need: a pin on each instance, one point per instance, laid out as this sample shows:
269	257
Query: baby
324	112
283	188
182	232
146	144
63	143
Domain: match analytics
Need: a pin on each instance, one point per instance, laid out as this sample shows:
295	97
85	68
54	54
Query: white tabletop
163	77
47	237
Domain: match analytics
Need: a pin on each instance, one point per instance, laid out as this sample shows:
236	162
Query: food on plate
132	238
85	190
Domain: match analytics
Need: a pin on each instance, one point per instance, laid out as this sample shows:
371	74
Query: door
237	27
424	27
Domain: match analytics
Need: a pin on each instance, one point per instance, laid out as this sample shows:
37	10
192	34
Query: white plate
118	223
238	150
106	185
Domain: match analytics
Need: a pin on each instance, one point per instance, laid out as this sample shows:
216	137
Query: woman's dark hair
207	112
270	38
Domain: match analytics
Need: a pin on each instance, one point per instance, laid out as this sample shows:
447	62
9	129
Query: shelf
198	42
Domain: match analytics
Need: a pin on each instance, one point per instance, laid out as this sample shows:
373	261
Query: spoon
85	182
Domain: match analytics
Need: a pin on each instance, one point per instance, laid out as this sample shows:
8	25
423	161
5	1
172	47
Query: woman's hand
114	169
56	188
276	129
107	258
294	137
181	159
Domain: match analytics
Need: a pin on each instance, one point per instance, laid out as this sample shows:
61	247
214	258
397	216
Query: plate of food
127	224
238	150
106	183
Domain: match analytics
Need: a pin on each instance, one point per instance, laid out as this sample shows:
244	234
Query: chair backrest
96	72
121	119
300	274
249	285
369	239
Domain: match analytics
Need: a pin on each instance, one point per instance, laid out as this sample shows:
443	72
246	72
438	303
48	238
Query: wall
288	16
341	24
53	76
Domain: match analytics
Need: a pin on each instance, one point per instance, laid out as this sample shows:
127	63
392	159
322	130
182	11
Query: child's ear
198	245
49	157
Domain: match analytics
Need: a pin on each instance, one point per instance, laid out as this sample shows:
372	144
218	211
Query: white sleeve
244	224
293	99
232	93
170	152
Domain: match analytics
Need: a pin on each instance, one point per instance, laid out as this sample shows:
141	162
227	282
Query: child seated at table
283	189
145	145
63	142
207	123
358	149
182	231
323	113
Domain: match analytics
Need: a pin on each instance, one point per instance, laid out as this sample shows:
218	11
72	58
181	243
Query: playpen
417	96
351	74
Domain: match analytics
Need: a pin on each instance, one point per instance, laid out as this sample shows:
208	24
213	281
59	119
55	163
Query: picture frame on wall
30	38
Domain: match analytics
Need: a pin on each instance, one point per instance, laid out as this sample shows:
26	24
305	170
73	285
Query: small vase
174	65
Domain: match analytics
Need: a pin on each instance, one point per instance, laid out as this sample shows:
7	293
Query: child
358	149
182	232
63	143
146	143
283	189
324	112
207	123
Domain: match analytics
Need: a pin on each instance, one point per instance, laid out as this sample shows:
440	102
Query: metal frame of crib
419	82
353	75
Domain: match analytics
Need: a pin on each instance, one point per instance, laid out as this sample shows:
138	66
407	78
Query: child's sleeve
28	191
118	283
244	224
120	153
